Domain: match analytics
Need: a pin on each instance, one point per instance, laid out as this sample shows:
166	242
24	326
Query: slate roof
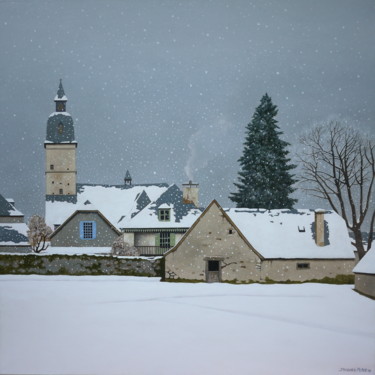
290	234
7	209
60	128
13	234
115	202
182	215
61	93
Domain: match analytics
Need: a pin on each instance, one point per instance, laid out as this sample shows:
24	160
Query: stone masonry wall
57	264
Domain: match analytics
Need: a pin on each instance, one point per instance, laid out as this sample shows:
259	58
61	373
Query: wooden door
213	271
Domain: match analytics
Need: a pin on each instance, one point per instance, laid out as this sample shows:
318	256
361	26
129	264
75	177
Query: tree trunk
358	242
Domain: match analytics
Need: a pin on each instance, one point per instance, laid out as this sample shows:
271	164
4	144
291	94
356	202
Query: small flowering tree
119	247
38	233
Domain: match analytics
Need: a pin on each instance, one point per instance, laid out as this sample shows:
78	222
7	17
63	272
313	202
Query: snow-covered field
129	325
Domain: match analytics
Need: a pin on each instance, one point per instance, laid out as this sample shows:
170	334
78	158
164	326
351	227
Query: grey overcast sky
166	88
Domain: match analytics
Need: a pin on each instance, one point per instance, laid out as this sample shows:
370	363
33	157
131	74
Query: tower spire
61	99
60	91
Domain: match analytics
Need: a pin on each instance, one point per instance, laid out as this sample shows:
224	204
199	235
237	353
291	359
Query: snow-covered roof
13	234
7	208
367	263
290	234
115	202
62	99
60	113
181	215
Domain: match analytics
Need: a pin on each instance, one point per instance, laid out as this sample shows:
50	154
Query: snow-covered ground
130	325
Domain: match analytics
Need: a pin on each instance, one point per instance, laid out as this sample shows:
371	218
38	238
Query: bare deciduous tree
38	233
338	166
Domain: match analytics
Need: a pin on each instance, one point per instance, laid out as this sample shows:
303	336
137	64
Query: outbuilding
258	245
364	272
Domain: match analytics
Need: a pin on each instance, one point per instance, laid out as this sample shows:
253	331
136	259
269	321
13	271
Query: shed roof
367	263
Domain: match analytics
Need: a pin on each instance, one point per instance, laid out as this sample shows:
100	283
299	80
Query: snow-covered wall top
290	234
367	263
114	202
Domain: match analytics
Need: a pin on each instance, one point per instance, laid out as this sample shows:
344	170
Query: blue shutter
93	230
81	229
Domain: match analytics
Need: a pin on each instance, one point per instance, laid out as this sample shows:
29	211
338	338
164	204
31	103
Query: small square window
213	265
230	231
164	214
303	266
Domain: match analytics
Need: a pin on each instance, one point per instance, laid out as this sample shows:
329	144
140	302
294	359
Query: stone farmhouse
247	245
13	230
153	216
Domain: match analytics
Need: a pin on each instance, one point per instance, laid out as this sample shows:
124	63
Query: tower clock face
60	107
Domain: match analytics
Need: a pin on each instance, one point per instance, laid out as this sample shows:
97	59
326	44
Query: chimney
190	193
319	227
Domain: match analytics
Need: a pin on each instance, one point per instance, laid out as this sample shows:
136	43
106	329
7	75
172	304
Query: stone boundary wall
78	265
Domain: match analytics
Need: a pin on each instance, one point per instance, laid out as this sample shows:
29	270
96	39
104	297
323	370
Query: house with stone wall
85	228
258	245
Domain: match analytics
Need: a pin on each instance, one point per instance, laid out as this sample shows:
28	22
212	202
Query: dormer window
164	214
60	128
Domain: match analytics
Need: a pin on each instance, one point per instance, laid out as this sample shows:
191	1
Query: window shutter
81	230
93	230
172	239
157	239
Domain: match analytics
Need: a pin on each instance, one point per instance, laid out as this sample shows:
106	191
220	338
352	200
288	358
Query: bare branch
338	166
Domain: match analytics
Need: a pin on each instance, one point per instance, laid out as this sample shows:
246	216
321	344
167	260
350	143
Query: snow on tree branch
38	233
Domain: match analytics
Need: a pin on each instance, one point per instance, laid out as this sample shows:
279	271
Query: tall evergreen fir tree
264	180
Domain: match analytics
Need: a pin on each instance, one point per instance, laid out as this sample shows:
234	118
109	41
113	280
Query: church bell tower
60	146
